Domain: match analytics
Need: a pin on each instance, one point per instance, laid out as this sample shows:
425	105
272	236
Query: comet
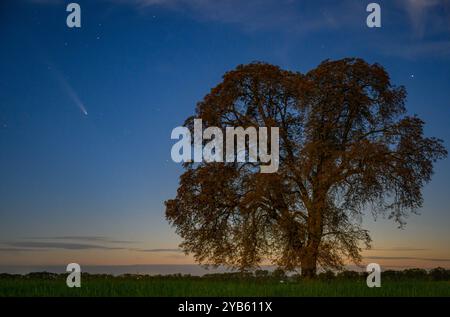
69	90
74	96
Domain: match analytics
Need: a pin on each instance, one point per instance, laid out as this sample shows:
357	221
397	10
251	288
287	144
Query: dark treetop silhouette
346	146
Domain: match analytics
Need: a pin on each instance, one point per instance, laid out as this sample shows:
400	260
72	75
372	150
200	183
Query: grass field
199	287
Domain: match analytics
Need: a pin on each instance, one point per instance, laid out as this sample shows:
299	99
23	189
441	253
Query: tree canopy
347	147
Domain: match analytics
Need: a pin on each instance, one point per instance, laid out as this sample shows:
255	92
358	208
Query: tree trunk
309	262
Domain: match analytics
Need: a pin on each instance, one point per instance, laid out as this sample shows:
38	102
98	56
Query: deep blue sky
73	184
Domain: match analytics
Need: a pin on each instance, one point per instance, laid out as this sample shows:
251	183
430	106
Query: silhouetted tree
439	274
278	274
415	273
326	276
346	146
261	274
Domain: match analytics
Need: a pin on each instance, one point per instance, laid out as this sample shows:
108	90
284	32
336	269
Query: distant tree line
279	275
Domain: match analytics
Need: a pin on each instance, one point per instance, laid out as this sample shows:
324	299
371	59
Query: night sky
86	113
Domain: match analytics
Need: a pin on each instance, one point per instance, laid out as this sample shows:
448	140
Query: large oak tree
347	147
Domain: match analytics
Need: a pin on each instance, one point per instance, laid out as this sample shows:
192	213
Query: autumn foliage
347	147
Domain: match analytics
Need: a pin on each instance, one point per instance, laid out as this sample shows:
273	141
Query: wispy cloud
159	250
427	15
69	242
253	15
424	16
413	50
399	249
46	1
60	245
20	250
417	28
77	243
406	258
82	238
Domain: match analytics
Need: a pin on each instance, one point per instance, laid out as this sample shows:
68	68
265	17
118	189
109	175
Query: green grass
200	287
